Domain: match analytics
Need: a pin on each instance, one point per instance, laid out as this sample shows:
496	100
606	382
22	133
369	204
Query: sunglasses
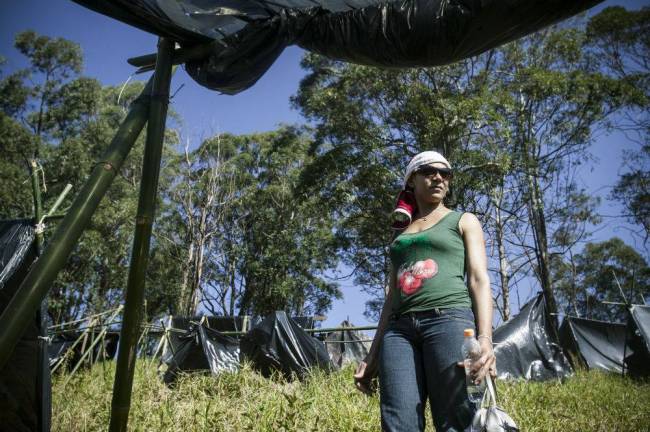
431	171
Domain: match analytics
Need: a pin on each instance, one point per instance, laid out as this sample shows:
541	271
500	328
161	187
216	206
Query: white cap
424	158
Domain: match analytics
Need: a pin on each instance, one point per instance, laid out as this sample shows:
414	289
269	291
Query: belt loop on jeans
437	311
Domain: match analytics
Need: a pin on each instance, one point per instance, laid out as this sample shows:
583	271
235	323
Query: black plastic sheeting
198	349
249	35
641	317
279	343
348	346
60	347
528	348
637	361
16	250
25	389
595	344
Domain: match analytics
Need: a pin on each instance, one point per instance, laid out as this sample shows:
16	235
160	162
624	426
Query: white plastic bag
491	418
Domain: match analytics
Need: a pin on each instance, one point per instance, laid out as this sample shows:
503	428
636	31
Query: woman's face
430	185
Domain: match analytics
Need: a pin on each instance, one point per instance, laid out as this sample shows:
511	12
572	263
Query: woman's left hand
487	363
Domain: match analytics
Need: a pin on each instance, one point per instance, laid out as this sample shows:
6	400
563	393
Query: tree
249	242
590	284
200	193
288	240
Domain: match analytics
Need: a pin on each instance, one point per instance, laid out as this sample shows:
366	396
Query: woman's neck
427	208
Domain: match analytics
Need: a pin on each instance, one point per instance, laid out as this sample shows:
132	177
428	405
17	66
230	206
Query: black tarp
59	347
641	317
279	344
347	346
199	347
25	390
637	361
220	323
248	35
527	347
595	344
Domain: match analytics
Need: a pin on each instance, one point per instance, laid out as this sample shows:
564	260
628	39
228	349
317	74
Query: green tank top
430	268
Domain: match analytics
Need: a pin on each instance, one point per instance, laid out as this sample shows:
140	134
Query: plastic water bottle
472	352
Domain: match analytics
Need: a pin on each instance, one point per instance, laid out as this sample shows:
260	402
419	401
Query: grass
246	401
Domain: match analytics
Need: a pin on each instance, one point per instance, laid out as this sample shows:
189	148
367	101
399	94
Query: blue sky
107	44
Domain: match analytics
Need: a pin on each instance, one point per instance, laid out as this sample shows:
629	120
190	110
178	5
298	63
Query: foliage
593	277
257	243
619	39
633	189
246	401
288	240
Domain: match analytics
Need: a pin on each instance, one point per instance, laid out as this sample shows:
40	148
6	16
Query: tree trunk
198	276
233	292
185	281
538	224
535	205
504	265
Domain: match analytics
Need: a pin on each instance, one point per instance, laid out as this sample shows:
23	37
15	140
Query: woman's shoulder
468	221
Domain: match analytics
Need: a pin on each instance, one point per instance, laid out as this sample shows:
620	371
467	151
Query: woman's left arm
479	288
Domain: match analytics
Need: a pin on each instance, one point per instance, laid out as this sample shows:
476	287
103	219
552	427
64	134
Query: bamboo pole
43	374
158	348
69	350
338	329
69	323
140	253
318	330
88	352
37	283
38	206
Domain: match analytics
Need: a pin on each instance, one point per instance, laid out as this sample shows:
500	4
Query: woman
417	346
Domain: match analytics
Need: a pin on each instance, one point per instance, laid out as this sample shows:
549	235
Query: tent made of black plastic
244	37
527	346
25	380
595	344
279	343
197	345
347	346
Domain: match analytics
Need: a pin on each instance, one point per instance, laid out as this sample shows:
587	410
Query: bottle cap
468	332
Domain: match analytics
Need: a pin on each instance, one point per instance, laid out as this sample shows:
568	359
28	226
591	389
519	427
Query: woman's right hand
366	371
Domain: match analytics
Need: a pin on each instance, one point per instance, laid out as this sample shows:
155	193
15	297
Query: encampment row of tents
526	346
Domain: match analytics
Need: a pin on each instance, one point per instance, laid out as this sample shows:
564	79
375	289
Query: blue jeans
418	357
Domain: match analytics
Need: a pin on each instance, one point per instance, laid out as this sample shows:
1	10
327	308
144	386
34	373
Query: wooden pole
121	402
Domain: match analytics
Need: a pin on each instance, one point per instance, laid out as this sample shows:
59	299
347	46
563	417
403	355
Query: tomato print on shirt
411	277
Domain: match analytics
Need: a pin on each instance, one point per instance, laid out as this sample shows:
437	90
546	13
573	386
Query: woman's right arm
369	367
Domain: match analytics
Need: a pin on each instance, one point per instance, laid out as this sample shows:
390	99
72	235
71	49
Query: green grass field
246	401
